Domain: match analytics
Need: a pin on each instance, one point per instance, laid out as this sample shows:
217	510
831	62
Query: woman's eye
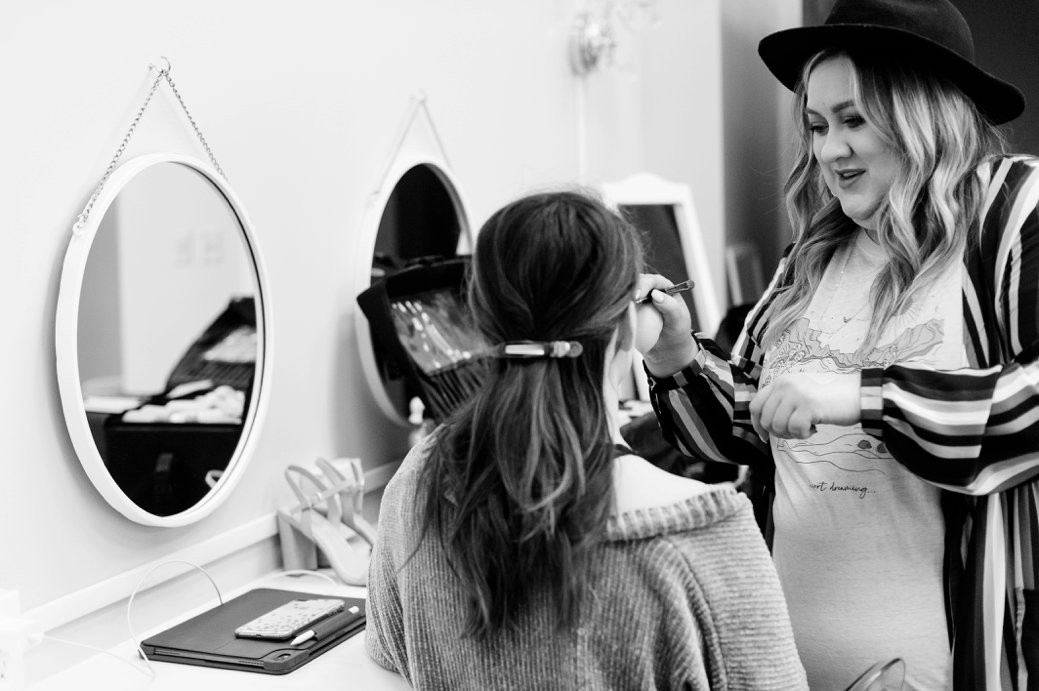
817	127
854	121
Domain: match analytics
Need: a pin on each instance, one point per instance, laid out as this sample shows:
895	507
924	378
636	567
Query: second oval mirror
421	220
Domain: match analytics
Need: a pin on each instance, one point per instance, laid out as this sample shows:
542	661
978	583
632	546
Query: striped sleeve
976	430
704	409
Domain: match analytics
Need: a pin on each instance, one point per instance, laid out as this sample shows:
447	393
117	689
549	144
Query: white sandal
315	524
350	493
886	675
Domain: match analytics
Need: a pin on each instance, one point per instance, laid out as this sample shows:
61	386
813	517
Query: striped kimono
973	432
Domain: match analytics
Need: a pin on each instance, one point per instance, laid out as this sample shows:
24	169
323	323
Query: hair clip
539	349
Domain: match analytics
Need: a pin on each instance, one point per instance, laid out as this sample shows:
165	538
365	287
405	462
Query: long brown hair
931	209
518	483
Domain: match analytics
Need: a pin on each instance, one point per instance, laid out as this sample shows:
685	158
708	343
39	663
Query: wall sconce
594	41
592	44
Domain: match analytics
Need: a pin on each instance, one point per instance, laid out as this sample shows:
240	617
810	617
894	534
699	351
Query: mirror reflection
421	224
420	221
167	343
663	246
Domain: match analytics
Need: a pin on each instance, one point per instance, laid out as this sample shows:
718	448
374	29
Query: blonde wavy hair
931	209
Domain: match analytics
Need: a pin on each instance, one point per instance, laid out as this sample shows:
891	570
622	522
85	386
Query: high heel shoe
350	492
886	675
315	524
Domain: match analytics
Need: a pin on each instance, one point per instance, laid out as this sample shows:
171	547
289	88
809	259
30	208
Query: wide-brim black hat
929	34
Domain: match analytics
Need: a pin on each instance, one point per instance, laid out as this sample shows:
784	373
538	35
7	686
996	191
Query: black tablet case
208	639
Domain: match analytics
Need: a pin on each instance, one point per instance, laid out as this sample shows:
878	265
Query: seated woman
522	545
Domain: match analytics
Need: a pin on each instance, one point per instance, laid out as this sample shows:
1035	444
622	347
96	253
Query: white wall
682	121
758	131
301	103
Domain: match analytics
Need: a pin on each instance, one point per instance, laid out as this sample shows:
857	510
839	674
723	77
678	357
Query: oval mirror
420	218
162	343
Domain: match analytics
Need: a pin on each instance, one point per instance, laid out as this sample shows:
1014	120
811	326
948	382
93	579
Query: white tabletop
344	667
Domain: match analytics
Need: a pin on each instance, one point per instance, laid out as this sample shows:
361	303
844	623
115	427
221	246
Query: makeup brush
676	288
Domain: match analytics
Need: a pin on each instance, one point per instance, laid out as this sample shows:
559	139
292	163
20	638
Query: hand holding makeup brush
663	331
677	288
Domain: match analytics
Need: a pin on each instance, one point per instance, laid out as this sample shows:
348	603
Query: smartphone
285	621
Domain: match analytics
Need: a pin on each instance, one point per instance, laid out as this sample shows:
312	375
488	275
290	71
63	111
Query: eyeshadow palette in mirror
422	326
435	330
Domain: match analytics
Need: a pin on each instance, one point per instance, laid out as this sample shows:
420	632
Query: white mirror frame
652	190
67	354
366	249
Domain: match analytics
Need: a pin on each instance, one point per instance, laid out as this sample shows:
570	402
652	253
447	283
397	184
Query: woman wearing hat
888	379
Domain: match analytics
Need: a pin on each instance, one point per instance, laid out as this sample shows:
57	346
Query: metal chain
82	218
198	132
418	102
164	73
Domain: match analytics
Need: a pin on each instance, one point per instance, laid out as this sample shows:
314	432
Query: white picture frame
648	189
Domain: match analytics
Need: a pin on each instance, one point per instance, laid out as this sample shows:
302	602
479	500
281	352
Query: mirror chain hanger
164	73
417	104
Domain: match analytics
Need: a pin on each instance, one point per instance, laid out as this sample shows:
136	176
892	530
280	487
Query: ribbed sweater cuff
871	400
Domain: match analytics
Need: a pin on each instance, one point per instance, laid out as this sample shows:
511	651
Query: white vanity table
346	666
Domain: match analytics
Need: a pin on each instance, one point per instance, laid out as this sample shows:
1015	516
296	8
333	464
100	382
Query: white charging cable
307	572
129	604
147	669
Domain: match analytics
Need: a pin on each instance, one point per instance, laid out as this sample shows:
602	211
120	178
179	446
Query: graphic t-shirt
858	538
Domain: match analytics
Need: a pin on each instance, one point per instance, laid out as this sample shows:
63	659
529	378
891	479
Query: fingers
673	347
648	325
648	282
774	414
799	425
673	309
783	410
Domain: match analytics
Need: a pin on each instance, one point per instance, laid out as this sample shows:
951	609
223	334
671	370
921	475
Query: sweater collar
692	513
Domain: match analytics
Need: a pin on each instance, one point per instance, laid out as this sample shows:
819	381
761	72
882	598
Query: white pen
303	637
326	626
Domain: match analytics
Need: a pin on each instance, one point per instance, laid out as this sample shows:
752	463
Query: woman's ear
620	353
626	330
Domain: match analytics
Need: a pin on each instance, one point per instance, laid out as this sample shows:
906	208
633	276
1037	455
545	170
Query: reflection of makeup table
162	466
347	665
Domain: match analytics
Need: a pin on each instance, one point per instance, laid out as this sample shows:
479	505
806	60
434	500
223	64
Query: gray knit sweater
685	597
